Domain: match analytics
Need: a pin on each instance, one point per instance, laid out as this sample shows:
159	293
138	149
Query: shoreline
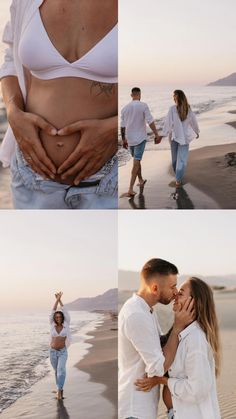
208	182
80	392
101	360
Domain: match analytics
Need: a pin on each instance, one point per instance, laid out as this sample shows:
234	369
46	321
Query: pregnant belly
63	102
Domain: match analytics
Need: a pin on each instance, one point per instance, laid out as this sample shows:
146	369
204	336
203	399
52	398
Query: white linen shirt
66	326
192	377
21	13
134	118
139	353
183	132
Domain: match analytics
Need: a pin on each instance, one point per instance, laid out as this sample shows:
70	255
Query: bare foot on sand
141	184
128	195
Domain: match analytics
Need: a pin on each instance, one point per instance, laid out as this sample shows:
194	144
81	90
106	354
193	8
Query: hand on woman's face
181	297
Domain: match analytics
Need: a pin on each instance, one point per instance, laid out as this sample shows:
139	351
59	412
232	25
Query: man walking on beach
140	349
134	118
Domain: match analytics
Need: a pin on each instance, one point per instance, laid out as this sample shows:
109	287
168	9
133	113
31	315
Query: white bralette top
43	60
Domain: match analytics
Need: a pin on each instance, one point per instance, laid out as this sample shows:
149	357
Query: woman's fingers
75	169
69	162
44	159
84	173
71	129
44	125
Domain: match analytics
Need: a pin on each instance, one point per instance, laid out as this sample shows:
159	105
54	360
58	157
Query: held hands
157	139
26	127
184	315
147	383
98	143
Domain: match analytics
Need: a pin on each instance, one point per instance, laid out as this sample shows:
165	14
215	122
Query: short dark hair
62	316
136	90
158	266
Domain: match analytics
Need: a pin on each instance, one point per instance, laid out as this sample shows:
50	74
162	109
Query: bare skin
83	113
58	342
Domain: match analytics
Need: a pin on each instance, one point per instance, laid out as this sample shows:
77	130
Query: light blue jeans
58	360
179	155
31	191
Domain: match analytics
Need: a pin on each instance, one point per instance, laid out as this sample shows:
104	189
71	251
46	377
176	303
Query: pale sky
45	251
169	41
198	242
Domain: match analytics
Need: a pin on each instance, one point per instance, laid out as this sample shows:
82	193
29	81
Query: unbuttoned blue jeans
179	155
31	191
58	360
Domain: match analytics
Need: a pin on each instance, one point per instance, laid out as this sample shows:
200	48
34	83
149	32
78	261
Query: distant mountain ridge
129	280
226	81
104	302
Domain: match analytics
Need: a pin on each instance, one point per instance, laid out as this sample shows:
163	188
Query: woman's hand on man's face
98	143
26	127
184	315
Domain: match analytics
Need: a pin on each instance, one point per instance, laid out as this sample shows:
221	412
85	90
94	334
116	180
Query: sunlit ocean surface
25	350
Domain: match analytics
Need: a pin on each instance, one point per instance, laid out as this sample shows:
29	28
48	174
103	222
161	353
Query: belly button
60	144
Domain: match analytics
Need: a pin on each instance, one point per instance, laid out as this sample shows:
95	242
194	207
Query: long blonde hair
206	316
182	104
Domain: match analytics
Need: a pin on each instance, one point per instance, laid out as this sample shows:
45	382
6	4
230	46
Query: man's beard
165	301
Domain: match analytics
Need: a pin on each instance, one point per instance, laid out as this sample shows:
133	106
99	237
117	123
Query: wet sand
208	172
226	312
84	398
208	182
101	361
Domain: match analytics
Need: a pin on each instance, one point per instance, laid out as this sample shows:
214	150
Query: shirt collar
188	330
143	303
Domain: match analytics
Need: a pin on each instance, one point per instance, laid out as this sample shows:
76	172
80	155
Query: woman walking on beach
60	340
190	390
181	126
59	84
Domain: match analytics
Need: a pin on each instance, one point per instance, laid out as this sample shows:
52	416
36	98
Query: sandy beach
85	395
208	182
226	311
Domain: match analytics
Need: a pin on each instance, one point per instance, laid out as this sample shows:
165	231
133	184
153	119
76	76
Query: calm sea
160	98
24	349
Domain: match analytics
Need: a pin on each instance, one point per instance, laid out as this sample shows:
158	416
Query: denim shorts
138	150
31	191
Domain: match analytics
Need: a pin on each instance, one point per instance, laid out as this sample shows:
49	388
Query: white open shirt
139	353
66	326
183	132
192	377
134	118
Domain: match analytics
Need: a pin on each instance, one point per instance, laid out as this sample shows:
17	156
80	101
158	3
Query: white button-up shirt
183	132
139	353
134	118
192	377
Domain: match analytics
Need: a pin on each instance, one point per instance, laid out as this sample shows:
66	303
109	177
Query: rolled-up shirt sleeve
140	332
191	389
148	116
8	66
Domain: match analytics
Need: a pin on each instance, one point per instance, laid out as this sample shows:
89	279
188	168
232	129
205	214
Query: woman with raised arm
59	84
190	389
60	340
181	126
